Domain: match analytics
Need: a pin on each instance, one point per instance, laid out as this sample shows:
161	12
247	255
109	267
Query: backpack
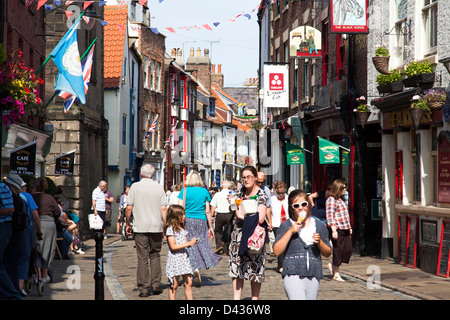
20	213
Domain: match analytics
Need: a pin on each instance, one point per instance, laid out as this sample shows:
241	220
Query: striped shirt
6	201
337	214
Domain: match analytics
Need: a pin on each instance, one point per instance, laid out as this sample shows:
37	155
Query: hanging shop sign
276	86
294	154
305	42
348	16
328	152
22	160
64	164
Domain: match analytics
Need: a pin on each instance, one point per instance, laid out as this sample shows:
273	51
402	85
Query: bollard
99	276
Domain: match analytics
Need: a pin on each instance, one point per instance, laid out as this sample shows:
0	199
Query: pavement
367	278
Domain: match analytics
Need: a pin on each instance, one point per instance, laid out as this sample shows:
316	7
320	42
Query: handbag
256	241
228	230
95	222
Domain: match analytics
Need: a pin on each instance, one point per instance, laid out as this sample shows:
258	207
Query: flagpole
81	58
48	58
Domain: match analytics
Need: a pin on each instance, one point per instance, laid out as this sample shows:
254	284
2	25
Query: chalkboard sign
444	250
402	238
412	242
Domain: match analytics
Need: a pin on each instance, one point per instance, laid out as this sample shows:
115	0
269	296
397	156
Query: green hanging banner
328	151
294	154
345	156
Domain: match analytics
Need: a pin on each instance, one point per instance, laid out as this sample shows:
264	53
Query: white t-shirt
220	202
147	197
276	210
99	197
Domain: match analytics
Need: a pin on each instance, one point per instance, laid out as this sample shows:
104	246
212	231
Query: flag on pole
67	58
172	132
328	151
69	99
152	127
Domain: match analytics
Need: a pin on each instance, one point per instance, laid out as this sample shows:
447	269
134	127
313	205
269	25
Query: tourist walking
199	224
278	214
8	290
109	199
243	264
122	207
303	240
178	263
318	199
220	209
99	201
49	213
338	220
147	201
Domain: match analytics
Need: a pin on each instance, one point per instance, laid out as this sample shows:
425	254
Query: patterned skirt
250	267
201	255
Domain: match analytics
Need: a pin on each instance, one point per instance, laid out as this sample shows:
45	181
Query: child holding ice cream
304	240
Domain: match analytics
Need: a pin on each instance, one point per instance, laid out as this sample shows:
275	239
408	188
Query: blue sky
235	44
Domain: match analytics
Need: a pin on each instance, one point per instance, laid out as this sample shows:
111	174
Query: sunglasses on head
297	205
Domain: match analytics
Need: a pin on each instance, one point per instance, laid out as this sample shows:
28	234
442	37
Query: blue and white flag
87	70
67	58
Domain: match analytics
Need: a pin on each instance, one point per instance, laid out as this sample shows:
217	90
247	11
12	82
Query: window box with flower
390	83
435	98
419	74
18	90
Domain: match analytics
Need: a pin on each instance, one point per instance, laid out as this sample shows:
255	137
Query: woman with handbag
246	264
195	199
303	240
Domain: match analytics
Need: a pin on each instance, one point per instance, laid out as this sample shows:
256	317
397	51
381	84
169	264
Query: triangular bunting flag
69	3
121	27
57	3
171	29
102	3
142	2
154	30
104	23
87	4
28	3
48	7
68	14
216	24
247	16
207	27
86	19
41	3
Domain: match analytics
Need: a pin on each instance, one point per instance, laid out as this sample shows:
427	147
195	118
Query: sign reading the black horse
64	164
23	160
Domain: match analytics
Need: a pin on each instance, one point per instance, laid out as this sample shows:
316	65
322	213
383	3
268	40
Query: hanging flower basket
363	117
381	64
435	98
416	116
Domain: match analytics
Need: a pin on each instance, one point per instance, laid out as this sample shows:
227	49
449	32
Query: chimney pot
206	51
199	52
192	52
213	68
219	68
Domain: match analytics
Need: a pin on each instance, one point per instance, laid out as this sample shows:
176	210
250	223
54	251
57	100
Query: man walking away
220	208
147	200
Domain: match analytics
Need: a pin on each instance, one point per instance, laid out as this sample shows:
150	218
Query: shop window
400	28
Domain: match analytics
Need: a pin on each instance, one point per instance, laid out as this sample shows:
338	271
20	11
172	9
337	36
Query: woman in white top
173	199
279	213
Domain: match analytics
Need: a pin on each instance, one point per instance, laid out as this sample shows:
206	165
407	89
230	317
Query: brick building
83	128
322	92
23	29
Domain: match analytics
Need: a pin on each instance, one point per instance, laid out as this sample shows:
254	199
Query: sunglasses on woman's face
298	205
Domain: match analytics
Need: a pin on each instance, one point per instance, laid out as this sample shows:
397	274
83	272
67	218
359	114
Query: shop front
416	183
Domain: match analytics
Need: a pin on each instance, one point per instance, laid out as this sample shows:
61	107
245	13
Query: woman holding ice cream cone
304	240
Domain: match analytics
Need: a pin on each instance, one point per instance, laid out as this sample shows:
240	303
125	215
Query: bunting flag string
171	29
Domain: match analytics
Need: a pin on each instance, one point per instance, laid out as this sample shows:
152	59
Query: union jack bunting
152	127
172	132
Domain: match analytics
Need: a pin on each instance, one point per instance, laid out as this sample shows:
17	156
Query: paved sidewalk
74	279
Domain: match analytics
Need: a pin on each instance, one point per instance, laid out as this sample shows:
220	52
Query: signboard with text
23	160
443	175
348	16
276	86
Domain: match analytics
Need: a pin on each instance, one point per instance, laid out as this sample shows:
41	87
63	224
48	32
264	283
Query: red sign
444	171
276	81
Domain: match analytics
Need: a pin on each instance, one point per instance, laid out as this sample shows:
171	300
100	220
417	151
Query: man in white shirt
98	201
147	200
220	208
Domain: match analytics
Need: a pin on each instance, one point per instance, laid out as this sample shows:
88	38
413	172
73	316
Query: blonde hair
194	179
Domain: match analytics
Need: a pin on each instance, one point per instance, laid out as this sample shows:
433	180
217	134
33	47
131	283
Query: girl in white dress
178	258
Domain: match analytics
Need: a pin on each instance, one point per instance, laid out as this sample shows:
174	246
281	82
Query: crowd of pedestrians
239	217
30	224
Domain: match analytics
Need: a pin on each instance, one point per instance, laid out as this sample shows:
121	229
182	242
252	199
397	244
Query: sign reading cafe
276	86
22	160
